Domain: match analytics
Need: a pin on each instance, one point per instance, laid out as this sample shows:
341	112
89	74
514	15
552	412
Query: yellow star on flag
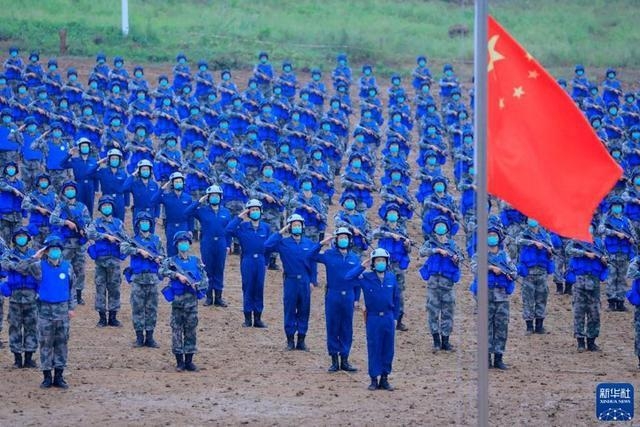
518	92
494	56
533	74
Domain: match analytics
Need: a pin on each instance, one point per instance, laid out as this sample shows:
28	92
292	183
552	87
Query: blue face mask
22	90
138	74
395	176
44	184
145	173
226	77
164	83
343	243
326	127
616	209
32	128
636	180
349	204
613	111
380	266
198	154
114	163
171	143
186	90
116	89
224	125
116	123
178	185
296	230
6	119
11	171
306	186
431	161
183	246
456	97
141	96
440	229
141	132
232	163
73	77
360	138
253	136
93	85
468	139
431	131
266	110
166	102
70	193
392	217
615	154
268	173
214	199
57	133
394	149
42	95
316	77
493	240
106	209
532	222
426	89
284	149
438	187
87	112
55	253
144	225
253	86
317	155
277	91
255	215
21	240
635	135
356	163
203	68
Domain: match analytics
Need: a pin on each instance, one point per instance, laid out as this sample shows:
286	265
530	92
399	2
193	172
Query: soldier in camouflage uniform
187	284
633	296
69	220
57	302
586	268
441	271
3	250
108	232
145	251
21	290
12	191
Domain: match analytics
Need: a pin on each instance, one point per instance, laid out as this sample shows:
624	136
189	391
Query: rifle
448	252
225	178
162	157
190	167
191	280
442	208
617	233
79	229
529	240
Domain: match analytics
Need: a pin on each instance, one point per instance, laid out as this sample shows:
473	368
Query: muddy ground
246	377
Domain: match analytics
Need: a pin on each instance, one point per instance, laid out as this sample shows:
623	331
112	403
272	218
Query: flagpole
480	138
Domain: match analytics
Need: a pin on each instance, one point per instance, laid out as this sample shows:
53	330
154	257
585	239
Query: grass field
387	33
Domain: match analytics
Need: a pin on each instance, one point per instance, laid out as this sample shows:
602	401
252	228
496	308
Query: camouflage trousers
8	224
441	303
23	327
74	253
400	278
274	219
535	292
510	240
53	335
144	306
184	322
312	233
636	324
586	307
29	171
107	279
58	177
498	326
617	283
1	311
560	262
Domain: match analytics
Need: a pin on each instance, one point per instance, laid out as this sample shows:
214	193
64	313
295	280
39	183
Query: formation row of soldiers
206	163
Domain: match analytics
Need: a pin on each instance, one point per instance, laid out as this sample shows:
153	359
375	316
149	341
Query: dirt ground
246	377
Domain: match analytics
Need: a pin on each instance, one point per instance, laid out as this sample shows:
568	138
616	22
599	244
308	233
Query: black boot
103	319
612	305
346	366
149	341
401	326
559	288
291	345
334	364
540	327
445	344
581	346
247	320
209	300
113	319
498	363
568	289
46	383
490	363
300	345
79	299
188	363
374	384
620	306
384	383
273	265
58	379
638	362
218	301
529	330
28	360
257	320
139	339
179	362
236	248
436	343
17	357
591	345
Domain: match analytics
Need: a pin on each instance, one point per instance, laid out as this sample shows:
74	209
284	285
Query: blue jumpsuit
298	276
381	298
176	217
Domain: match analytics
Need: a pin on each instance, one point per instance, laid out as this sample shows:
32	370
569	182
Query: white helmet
114	152
295	217
176	175
253	203
83	140
144	162
379	253
342	230
214	189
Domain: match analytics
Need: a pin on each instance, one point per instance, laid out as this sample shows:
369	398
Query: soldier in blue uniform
213	218
108	232
381	311
141	186
175	204
263	73
300	277
146	251
340	297
112	178
84	164
187	284
40	203
355	221
251	233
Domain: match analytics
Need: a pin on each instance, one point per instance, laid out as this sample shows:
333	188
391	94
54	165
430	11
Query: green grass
385	32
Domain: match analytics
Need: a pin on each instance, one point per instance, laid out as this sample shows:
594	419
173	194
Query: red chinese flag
543	156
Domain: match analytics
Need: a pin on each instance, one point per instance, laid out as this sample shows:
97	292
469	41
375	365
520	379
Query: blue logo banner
614	402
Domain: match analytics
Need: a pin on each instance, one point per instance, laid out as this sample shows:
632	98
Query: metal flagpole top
480	138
